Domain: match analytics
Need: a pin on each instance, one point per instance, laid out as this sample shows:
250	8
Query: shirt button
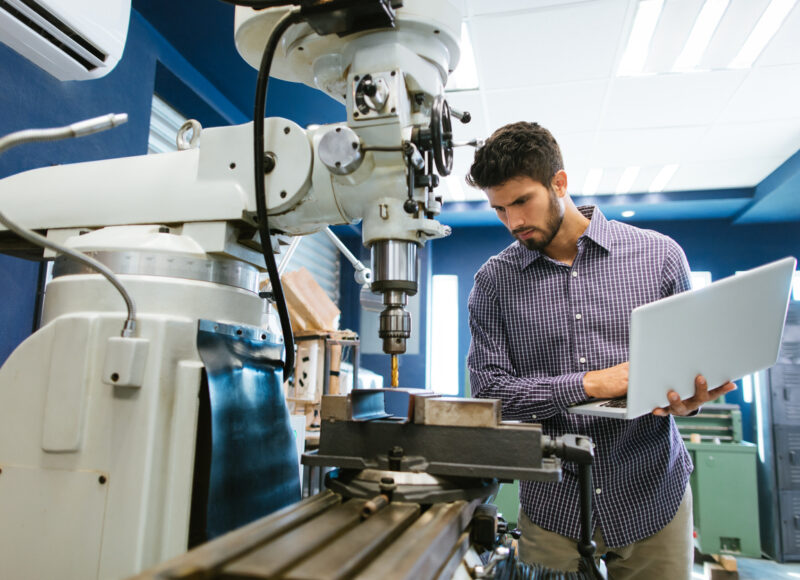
583	359
533	416
578	316
574	274
597	491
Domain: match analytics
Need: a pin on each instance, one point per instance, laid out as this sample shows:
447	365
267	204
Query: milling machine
120	450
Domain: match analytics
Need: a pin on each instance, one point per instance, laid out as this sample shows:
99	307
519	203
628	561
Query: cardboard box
309	305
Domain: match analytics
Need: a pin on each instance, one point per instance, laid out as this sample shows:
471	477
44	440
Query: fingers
700	388
721	390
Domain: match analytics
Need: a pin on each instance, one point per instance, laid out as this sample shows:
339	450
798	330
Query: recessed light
628	213
644	24
762	33
702	31
626	181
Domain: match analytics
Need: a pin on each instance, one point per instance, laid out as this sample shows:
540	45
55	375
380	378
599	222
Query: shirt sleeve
675	271
492	374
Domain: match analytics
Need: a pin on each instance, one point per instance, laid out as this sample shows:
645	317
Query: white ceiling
555	62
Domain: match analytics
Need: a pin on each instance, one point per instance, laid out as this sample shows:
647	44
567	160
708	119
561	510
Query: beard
555	216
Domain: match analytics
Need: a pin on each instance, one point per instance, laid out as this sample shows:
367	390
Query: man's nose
515	218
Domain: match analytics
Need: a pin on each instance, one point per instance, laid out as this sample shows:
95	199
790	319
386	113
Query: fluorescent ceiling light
628	213
626	181
592	181
465	77
644	24
662	179
762	33
702	31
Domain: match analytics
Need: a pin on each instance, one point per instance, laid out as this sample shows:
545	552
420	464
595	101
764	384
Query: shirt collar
597	232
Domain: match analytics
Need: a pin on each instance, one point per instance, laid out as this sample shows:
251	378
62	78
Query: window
443	360
700	279
164	124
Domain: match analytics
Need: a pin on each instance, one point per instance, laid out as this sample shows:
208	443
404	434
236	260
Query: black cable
283	24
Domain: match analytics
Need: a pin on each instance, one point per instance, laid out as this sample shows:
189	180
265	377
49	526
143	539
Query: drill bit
395	372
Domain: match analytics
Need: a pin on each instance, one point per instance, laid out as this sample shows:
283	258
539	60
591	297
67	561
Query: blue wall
716	246
31	97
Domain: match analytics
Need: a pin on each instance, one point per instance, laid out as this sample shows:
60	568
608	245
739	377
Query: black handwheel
442	136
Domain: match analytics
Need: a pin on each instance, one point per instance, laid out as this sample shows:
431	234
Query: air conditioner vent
71	40
47	35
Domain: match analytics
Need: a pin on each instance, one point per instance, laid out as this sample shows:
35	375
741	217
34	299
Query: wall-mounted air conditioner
70	39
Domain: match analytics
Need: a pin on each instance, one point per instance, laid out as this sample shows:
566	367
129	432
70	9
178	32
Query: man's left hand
701	395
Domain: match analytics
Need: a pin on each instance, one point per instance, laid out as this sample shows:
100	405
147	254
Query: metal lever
463	116
363	275
477	143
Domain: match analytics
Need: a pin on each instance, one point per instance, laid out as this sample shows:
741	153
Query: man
549	318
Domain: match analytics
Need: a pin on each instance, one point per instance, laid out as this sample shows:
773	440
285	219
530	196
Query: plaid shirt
538	326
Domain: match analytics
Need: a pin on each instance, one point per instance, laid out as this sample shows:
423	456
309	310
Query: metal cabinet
778	412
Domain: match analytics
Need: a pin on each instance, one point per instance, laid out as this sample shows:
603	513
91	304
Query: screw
163	230
286	130
114	377
269	162
102	479
232	165
283	194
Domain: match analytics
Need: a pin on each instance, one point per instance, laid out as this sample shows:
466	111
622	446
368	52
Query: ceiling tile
644	147
767	93
573	42
560	108
670	100
723	174
747	140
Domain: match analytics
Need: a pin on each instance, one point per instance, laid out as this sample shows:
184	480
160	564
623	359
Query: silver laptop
724	331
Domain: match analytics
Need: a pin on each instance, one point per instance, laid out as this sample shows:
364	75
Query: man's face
532	212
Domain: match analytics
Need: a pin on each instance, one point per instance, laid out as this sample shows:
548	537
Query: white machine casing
96	477
70	39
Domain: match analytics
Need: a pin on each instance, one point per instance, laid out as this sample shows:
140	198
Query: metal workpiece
340	150
151	263
458	412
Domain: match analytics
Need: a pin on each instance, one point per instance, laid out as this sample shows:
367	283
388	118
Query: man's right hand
607	383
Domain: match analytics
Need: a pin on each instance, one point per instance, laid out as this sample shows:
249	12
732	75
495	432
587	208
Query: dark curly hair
516	150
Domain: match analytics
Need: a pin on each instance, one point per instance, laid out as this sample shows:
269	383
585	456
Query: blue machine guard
253	467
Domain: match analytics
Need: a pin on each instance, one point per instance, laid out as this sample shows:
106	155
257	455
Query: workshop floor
754	569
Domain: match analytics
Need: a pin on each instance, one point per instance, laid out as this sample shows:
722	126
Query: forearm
528	398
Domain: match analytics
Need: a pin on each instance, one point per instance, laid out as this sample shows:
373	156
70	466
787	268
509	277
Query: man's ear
559	183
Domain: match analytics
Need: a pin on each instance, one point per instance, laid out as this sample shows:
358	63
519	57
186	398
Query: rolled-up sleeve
492	374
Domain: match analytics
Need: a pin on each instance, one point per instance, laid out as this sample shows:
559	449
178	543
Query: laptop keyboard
618	403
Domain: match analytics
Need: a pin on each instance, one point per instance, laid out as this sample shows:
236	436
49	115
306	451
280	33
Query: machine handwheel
442	136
